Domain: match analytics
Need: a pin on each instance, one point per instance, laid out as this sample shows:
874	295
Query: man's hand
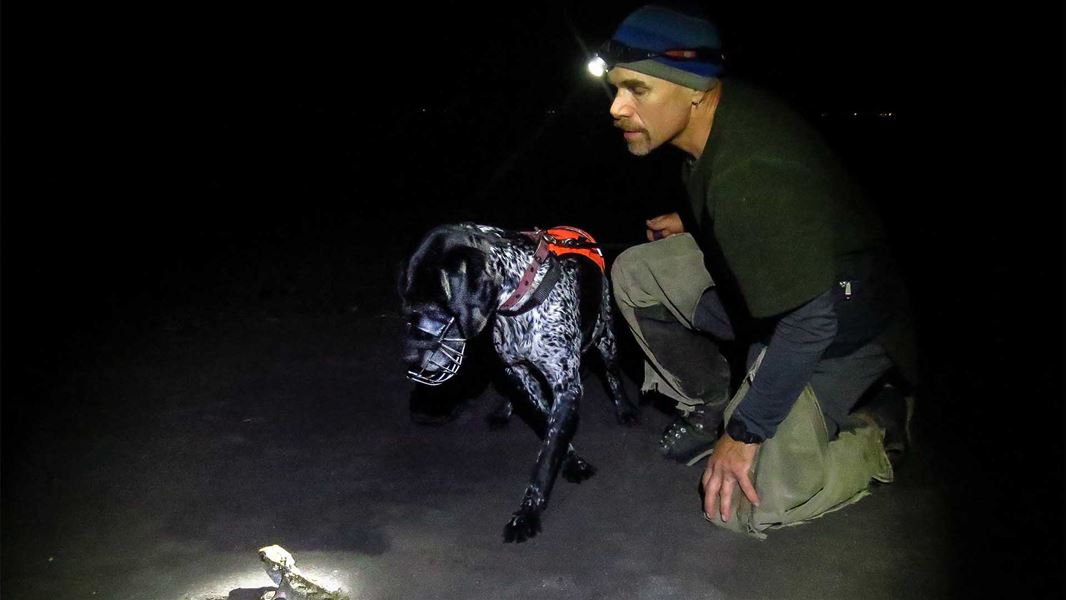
728	466
664	226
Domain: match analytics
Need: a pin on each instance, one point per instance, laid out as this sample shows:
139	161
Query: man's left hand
728	466
664	226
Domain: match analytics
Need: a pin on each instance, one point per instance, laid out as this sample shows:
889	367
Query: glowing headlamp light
597	66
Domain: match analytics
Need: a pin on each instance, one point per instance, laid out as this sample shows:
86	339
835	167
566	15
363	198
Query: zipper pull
847	289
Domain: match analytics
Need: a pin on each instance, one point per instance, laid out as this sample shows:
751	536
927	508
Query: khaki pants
803	472
668	273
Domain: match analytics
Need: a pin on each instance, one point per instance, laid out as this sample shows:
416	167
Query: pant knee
626	269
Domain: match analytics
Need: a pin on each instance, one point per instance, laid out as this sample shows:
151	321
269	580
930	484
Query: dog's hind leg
626	412
562	422
575	469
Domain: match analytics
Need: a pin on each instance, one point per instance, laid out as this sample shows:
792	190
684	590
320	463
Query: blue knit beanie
657	28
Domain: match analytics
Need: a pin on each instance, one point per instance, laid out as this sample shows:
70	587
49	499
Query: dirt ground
197	446
149	452
151	457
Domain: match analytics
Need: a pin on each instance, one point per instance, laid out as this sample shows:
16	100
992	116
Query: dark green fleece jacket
781	226
775	211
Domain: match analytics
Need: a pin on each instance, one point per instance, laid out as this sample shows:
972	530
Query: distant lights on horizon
551	110
853	114
887	114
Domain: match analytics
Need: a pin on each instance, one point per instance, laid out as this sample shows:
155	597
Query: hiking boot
691	437
892	411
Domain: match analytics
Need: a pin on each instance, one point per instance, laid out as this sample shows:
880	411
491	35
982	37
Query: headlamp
614	52
597	66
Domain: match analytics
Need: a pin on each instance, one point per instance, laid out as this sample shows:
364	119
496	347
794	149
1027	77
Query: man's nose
620	107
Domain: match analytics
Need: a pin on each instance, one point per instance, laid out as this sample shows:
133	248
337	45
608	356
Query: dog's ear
419	282
470	292
448	269
415	266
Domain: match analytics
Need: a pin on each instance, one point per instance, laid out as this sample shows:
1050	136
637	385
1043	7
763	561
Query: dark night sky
142	141
136	124
121	95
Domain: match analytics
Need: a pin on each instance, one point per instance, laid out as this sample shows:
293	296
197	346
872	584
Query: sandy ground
183	453
151	446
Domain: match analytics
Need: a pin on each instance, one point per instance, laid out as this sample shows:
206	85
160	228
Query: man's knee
630	260
628	268
694	359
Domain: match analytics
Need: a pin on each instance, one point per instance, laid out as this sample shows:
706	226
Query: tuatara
292	585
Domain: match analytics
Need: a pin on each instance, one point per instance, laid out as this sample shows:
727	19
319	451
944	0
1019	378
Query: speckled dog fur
469	270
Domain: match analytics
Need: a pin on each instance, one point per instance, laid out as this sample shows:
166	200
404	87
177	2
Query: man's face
651	111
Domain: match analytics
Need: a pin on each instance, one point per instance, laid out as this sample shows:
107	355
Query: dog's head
448	298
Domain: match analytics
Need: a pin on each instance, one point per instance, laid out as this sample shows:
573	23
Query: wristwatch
739	432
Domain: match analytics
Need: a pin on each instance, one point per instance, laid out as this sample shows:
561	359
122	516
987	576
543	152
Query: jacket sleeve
798	342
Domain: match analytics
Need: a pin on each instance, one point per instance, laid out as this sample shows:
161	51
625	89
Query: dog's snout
411	357
413	351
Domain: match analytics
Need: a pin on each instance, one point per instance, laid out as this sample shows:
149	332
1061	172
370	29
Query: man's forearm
799	340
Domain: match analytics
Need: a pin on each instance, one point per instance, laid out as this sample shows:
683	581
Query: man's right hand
664	226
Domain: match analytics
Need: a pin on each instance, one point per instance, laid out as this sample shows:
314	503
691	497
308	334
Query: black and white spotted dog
544	310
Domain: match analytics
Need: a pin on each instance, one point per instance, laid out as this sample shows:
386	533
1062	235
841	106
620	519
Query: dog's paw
501	416
576	469
629	416
523	525
497	424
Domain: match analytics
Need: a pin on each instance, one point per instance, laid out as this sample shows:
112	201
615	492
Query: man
779	252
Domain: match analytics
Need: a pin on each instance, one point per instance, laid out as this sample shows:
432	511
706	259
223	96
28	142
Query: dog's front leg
562	421
575	469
